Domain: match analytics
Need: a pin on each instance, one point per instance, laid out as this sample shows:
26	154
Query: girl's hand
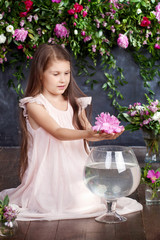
99	136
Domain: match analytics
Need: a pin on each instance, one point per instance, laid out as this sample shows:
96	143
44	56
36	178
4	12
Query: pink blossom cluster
122	41
56	1
153	175
107	123
61	31
20	34
157	13
87	38
9	214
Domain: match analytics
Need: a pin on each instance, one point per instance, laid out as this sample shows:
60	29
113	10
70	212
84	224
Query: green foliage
102	25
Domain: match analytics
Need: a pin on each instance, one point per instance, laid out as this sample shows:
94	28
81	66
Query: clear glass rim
104	148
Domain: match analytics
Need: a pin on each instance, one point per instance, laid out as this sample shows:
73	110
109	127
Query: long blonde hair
44	54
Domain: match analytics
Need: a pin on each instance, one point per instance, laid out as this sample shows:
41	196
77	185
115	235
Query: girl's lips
61	87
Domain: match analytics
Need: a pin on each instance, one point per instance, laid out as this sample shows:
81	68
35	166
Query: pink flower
56	1
83	33
74	23
20	34
157	46
133	113
158	8
78	7
84	13
145	22
20	46
122	41
23	14
71	11
153	108
75	16
153	175
108	124
87	38
145	122
61	31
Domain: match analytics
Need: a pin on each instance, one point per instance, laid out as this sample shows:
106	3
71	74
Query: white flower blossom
2	38
156	116
1	16
10	28
75	31
139	107
139	11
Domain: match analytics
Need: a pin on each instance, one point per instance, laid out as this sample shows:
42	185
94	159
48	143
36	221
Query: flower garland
89	28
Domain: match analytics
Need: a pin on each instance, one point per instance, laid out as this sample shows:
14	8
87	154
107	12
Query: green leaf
6	201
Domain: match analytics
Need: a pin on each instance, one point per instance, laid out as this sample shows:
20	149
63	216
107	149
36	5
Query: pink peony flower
61	31
122	41
20	34
108	124
158	8
157	46
157	14
153	175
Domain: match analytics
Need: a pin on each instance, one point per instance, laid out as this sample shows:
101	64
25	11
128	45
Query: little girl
55	131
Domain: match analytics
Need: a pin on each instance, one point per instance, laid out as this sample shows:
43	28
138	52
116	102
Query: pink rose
78	7
28	4
23	14
145	22
71	11
84	13
122	41
75	16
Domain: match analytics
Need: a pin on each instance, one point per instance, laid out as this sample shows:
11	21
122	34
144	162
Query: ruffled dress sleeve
23	102
83	102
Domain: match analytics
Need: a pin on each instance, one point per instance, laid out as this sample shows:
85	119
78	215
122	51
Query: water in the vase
112	183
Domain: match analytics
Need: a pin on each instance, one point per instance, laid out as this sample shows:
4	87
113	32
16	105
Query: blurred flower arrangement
7	213
88	28
147	118
151	178
143	116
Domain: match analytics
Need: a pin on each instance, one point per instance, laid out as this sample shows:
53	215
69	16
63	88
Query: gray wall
133	92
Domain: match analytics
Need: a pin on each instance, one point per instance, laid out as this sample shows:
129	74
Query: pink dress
52	187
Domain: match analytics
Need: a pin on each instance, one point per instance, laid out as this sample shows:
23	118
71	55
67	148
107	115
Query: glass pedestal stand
111	216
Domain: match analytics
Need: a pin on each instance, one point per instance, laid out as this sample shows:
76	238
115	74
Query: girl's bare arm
39	117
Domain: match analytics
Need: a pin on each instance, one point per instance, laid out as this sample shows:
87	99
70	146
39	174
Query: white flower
10	28
156	116
139	11
1	16
2	38
75	31
139	107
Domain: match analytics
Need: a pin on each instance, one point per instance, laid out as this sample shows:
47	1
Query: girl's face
56	77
